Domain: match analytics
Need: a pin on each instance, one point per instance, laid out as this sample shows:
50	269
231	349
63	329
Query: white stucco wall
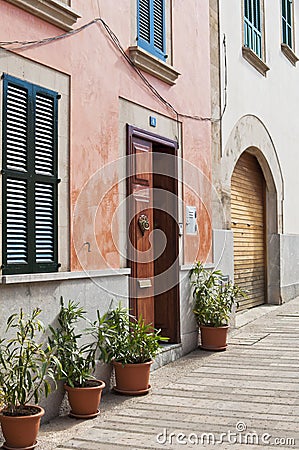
273	99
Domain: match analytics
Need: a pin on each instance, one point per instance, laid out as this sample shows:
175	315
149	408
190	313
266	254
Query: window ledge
59	276
152	65
188	267
254	60
289	54
53	11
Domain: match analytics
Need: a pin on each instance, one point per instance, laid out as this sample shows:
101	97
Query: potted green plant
77	361
131	347
213	304
26	368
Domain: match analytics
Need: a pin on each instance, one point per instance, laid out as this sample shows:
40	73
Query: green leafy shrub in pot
77	359
213	299
213	304
131	340
26	366
26	369
131	346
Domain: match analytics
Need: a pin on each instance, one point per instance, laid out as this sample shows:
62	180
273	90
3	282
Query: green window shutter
44	134
257	15
16	221
287	22
44	223
29	178
16	128
15	176
253	26
45	169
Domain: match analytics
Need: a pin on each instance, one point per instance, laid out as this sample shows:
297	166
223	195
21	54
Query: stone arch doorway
250	135
248	224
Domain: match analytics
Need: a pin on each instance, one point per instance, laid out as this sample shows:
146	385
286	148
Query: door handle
143	223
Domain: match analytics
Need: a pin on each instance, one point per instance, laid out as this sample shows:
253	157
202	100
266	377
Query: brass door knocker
143	223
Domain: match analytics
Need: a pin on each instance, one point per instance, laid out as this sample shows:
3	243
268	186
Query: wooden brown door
248	225
166	243
140	249
153	254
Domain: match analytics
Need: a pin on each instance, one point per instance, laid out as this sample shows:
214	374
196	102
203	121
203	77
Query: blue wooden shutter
144	31
151	32
159	25
29	178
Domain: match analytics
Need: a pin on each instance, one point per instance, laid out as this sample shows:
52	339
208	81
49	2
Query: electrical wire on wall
225	77
17	45
99	8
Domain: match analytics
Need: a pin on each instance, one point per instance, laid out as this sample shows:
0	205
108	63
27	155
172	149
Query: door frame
135	132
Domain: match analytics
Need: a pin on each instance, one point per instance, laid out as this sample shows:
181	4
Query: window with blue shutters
287	22
29	189
151	33
253	26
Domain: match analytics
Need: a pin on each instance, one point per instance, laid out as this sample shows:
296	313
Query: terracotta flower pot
84	401
132	379
213	338
20	432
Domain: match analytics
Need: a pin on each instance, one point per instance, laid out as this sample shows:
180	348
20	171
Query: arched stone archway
250	135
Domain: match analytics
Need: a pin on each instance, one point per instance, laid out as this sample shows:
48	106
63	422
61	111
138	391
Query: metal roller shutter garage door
248	225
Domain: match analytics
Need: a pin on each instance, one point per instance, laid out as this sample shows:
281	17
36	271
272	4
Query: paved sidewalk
245	397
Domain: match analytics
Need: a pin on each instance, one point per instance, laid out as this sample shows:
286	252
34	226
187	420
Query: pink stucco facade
99	77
